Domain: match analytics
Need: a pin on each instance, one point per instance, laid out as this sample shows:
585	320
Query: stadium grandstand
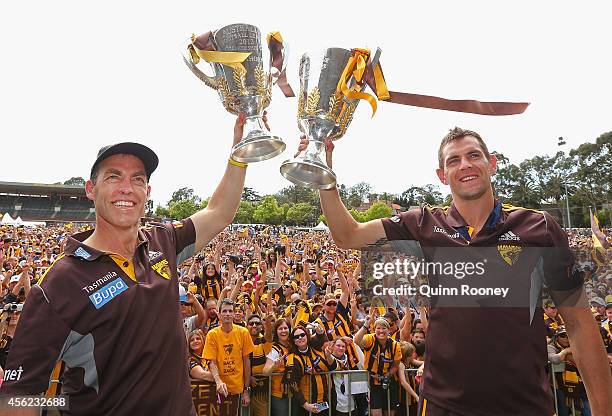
46	202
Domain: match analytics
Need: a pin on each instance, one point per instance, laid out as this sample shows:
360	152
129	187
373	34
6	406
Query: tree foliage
75	181
245	212
268	211
300	214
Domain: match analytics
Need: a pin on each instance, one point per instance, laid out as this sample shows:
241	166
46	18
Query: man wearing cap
109	307
599	308
456	380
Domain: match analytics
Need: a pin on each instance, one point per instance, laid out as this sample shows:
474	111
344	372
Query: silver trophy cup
242	86
323	112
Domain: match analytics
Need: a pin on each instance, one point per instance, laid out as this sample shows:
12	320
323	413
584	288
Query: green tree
417	195
295	194
250	195
268	211
357	215
358	193
594	171
182	209
245	212
75	181
300	214
378	210
161	212
184	194
322	218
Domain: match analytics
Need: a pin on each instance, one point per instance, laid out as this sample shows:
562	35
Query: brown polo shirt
490	359
115	322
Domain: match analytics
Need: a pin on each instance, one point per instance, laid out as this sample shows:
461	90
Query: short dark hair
459	133
226	302
391	315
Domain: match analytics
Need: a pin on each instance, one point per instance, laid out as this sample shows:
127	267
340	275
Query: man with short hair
109	306
262	345
463	385
228	348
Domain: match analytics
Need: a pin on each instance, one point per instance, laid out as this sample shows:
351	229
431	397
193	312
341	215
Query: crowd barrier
205	395
206	400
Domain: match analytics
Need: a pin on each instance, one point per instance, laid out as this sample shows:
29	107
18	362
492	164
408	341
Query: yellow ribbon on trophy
356	67
232	59
275	35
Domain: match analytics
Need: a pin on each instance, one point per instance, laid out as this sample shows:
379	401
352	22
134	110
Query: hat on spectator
246	283
608	305
609	299
548	303
560	330
142	152
254	265
598	301
182	294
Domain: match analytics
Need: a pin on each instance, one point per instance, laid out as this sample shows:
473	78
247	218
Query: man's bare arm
224	202
346	232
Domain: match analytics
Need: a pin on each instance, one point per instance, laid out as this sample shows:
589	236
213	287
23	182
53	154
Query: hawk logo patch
509	253
163	269
228	348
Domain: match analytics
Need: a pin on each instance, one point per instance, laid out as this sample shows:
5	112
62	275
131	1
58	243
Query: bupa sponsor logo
509	236
81	252
108	293
439	230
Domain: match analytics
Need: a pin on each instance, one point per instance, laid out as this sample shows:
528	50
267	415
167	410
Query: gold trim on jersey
510	208
49	268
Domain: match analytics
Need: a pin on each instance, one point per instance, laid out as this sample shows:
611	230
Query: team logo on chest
162	267
228	348
509	253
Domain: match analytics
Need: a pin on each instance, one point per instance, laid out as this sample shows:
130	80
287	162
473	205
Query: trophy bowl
244	85
324	112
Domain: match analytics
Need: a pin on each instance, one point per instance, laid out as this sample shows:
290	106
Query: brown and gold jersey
98	312
524	248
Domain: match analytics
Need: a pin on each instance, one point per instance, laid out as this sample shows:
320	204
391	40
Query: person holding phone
304	365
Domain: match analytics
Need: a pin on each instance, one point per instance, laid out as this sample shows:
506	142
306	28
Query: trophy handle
189	55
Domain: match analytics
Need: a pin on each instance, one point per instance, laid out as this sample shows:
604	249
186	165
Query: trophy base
310	174
258	148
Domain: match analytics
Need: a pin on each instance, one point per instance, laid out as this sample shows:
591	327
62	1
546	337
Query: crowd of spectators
304	304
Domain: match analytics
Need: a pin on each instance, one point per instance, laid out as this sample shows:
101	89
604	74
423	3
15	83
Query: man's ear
492	164
441	176
148	192
89	190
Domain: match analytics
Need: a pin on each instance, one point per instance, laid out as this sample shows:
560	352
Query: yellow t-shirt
228	350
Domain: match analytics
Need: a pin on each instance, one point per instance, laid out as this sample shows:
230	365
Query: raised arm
358	338
223	204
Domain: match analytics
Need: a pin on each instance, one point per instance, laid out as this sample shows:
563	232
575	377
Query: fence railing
205	395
